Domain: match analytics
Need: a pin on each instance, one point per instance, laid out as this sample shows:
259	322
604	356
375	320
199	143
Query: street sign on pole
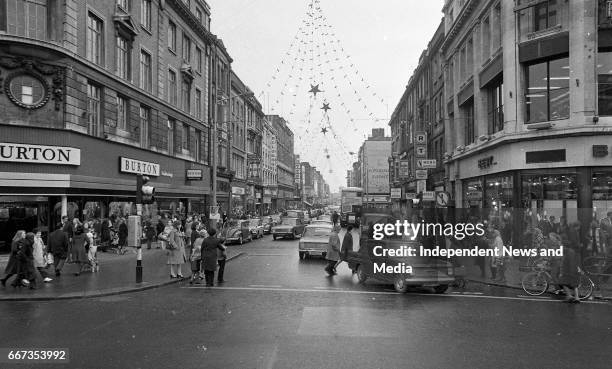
410	195
421	185
420	151
420	173
426	163
396	193
420	138
442	199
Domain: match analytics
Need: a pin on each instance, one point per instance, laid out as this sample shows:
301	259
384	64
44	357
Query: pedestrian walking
221	258
25	255
347	245
333	251
335	217
568	277
196	254
40	256
497	262
78	249
176	250
12	268
123	233
105	234
150	233
210	245
58	246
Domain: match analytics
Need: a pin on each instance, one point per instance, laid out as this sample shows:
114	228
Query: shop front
83	177
239	203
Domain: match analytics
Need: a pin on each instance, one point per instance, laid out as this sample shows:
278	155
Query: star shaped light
326	107
314	89
324	130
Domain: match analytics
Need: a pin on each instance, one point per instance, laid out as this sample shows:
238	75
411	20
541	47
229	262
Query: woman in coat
150	233
12	267
40	260
210	246
78	251
123	233
333	251
176	250
27	273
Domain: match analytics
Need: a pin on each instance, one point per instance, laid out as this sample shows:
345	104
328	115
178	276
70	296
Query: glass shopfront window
17	213
551	195
602	193
472	193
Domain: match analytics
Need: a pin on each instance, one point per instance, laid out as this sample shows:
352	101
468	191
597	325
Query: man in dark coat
335	218
210	245
347	245
26	259
58	246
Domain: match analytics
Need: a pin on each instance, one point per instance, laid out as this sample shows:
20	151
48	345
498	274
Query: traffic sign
410	195
442	199
429	195
396	193
421	185
421	151
426	163
420	138
420	173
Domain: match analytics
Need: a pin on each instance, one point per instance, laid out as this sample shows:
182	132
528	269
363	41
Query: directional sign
429	195
396	193
442	199
421	151
420	138
420	173
426	163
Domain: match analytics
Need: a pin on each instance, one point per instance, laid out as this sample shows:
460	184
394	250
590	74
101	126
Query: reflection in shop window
554	194
602	193
604	82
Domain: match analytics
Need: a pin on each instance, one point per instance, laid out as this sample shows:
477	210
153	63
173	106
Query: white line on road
328	288
264	286
249	254
277	289
535	297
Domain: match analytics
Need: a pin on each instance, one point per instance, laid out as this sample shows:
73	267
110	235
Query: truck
351	200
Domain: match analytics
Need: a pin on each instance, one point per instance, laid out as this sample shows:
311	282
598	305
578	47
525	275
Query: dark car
236	231
256	227
268	223
289	228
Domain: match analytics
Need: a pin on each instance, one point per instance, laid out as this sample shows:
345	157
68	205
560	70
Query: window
198	60
170	134
486	39
469	61
122	59
26	18
468	116
542	15
204	146
496	107
547	94
172	97
199	15
195	150
171	36
604	82
145	14
124	4
122	112
94	39
186	48
93	109
145	115
145	71
186	96
545	15
185	138
28	91
198	103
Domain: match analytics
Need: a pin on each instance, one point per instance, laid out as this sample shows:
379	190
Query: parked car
236	231
295	214
268	223
314	240
321	222
289	227
256	228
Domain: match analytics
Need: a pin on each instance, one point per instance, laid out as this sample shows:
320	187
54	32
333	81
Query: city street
276	311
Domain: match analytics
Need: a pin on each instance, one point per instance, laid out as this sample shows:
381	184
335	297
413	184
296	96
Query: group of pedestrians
338	251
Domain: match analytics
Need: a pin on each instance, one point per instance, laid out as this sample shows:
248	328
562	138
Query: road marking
535	297
269	254
328	288
265	286
277	289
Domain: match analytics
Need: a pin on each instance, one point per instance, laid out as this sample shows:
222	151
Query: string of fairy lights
329	130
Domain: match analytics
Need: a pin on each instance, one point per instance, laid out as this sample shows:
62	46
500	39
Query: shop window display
602	194
551	195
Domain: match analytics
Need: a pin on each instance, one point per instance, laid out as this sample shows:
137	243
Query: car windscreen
317	232
289	221
254	222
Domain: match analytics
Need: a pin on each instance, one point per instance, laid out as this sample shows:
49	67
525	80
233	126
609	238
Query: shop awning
307	203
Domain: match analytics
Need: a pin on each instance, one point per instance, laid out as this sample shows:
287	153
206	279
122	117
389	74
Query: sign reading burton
127	165
40	154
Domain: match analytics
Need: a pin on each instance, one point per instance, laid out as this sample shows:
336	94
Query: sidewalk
117	275
514	274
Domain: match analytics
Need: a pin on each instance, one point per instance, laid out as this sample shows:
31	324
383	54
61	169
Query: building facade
374	154
285	162
237	136
97	92
255	122
269	167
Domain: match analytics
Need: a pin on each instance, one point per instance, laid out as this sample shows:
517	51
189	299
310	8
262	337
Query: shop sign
258	195
238	190
194	174
165	173
421	185
420	174
410	195
485	163
127	165
267	200
426	163
420	138
429	195
396	193
267	192
22	153
404	169
600	151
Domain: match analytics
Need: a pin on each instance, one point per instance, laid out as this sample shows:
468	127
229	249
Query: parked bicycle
538	281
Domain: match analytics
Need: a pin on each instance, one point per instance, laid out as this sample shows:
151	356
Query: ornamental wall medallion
27	89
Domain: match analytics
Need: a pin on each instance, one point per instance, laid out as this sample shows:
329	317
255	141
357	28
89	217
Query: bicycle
537	282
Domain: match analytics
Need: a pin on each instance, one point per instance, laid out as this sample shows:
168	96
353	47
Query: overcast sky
381	42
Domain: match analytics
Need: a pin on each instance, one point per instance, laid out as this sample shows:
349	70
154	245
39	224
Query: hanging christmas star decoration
326	106
314	89
327	156
324	130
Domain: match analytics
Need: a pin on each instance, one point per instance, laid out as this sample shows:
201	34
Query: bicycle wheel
585	287
534	283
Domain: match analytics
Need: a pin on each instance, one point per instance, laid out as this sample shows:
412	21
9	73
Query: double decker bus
351	200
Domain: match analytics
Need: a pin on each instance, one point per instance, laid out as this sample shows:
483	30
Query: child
196	255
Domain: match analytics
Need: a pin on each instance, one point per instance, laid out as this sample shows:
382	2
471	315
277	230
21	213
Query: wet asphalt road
276	311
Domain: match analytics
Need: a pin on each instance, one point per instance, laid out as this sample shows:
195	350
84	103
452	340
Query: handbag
172	242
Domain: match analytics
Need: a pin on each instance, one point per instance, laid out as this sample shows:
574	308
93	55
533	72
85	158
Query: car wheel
324	254
274	237
400	285
250	238
361	276
302	255
441	288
